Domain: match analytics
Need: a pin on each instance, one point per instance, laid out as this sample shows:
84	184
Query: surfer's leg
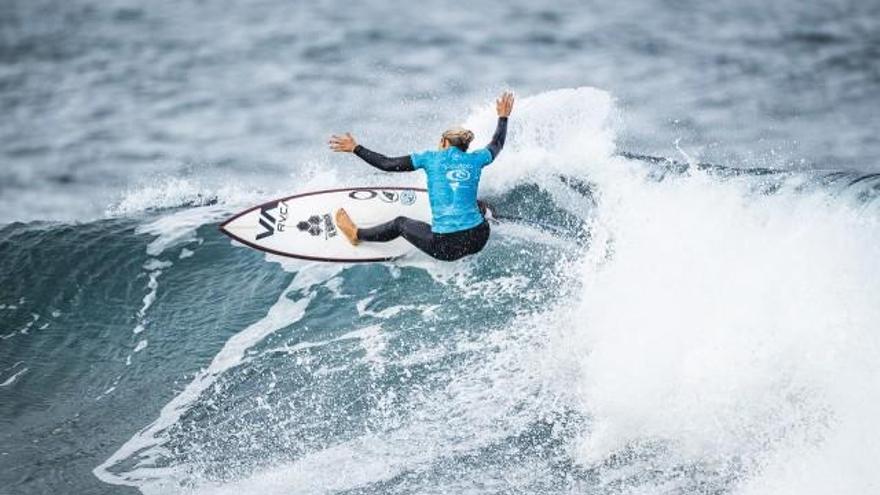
444	247
457	245
417	233
383	232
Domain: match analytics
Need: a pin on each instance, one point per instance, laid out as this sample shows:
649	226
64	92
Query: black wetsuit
446	247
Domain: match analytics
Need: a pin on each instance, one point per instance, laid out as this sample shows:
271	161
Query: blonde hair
459	137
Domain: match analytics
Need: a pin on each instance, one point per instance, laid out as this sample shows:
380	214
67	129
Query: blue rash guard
453	179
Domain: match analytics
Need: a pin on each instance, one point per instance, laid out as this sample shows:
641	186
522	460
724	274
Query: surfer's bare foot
347	227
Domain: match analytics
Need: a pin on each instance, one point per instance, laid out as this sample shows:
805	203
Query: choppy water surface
636	324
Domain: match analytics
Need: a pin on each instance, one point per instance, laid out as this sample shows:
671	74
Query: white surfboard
302	226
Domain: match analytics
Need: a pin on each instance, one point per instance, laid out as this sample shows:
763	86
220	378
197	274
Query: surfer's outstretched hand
342	142
504	104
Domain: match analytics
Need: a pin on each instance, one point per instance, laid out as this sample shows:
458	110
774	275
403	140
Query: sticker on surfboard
302	226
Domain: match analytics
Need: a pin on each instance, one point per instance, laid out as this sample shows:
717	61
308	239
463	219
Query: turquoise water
103	334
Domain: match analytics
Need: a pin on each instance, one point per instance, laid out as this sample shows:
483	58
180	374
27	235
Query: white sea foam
464	415
154	269
733	327
12	378
727	325
171	192
363	309
557	132
141	345
179	227
147	445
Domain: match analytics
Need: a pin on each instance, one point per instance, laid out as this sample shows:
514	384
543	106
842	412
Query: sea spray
734	331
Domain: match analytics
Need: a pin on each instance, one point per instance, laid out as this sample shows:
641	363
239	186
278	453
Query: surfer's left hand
504	104
344	143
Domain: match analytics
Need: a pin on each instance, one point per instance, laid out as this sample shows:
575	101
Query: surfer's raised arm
345	143
459	227
503	105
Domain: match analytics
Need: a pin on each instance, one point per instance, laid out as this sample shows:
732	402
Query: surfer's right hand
343	143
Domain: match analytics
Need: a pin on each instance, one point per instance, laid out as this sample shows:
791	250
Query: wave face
634	326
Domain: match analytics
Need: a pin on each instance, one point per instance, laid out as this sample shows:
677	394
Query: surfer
457	227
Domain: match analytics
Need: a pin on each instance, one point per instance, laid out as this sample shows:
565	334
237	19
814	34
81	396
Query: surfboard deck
302	226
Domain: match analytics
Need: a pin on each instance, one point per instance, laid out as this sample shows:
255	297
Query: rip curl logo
458	175
317	225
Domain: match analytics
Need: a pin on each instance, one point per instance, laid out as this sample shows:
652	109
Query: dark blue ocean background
682	295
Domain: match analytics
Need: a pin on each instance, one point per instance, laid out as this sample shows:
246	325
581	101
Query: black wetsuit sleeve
382	162
498	138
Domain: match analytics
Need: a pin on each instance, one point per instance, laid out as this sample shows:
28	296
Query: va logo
267	221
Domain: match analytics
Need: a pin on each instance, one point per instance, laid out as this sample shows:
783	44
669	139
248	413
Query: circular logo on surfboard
389	196
362	194
407	198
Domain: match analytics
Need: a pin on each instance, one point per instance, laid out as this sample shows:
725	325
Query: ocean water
682	294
